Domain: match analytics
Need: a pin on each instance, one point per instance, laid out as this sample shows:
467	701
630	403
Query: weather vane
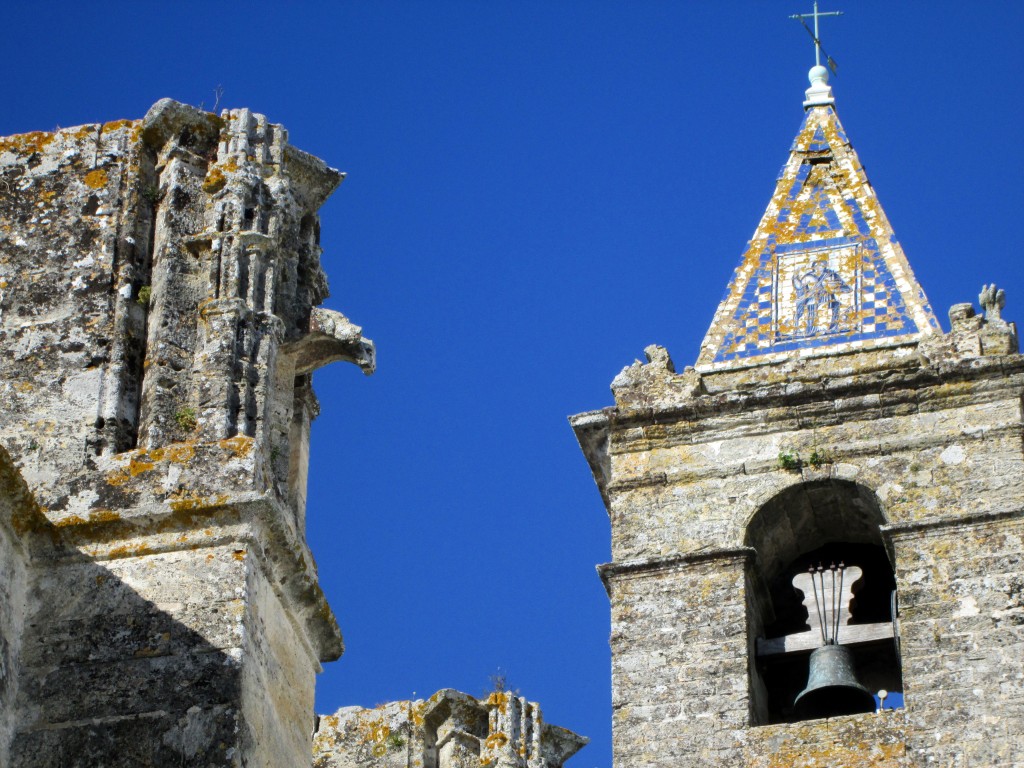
818	50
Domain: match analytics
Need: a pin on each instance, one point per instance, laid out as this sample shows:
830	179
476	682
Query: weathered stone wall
62	212
448	730
917	449
12	600
158	283
962	636
671	678
133	661
925	443
278	687
875	740
174	655
15	506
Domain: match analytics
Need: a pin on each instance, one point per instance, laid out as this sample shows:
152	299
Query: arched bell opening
800	534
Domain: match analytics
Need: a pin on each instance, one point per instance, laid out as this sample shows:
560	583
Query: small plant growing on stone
395	741
789	461
145	294
185	418
150	193
819	457
499	682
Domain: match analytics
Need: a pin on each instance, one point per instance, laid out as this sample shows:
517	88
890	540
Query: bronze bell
832	686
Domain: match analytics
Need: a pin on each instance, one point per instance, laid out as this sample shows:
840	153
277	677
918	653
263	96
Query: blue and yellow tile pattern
823	270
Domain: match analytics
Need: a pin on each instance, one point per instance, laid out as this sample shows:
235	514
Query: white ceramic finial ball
818	74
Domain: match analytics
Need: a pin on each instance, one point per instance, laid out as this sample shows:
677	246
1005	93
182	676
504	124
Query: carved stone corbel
331	337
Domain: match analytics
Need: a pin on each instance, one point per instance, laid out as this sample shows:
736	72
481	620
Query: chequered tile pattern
824	268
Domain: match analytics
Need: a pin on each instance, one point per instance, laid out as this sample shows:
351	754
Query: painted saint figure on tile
816	290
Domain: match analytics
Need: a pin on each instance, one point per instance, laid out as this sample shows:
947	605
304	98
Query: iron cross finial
814	33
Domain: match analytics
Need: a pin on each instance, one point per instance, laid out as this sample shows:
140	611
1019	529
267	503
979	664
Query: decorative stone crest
992	301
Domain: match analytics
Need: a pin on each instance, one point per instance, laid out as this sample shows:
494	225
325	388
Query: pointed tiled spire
823	272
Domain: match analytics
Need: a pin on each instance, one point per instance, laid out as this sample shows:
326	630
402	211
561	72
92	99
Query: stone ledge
609	571
875	739
937	523
252	519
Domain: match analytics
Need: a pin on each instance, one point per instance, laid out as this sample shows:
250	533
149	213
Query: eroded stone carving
992	301
448	730
331	337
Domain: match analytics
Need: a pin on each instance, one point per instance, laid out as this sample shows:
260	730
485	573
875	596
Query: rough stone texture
448	730
158	283
706	658
924	456
18	511
963	642
794	442
159	605
858	741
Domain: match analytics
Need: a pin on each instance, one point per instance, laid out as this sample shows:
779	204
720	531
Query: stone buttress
159	283
828	420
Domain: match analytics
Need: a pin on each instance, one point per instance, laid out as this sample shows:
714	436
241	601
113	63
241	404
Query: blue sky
536	191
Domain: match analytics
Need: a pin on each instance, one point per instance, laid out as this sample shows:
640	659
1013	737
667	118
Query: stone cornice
936	524
610	571
891	386
259	521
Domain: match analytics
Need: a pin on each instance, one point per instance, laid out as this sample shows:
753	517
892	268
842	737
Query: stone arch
806	515
815	520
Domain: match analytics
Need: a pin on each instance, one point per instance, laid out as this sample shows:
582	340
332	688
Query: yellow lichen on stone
215	178
96	179
91	518
240	445
114	125
178	453
144	461
214	181
185	501
26	143
137	465
496	740
417	714
128	551
498	699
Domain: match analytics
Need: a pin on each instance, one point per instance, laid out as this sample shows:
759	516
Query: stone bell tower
833	472
159	283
